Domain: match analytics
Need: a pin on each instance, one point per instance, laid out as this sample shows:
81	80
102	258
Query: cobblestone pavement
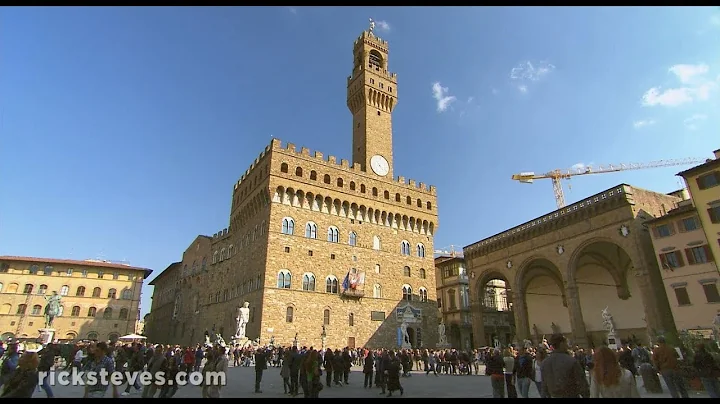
241	384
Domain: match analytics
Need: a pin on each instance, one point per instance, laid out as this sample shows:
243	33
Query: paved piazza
241	384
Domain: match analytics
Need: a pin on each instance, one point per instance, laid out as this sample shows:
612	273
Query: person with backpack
9	362
135	365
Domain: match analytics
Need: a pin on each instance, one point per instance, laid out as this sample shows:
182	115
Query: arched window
404	248
311	230
42	290
326	179
422	292
127	294
326	317
80	291
331	284
352	185
289	314
375	59
22	309
408	200
75	311
397	197
36	310
107	313
64	290
340	182
374	192
298	172
28	288
288	226
284	168
407	293
377	291
308	282
386	195
123	314
421	273
96	292
92	312
313	175
352	240
34	269
377	268
48	270
421	251
283	279
351	320
376	243
333	235
215	257
362	188
429	205
406	271
92	335
112	293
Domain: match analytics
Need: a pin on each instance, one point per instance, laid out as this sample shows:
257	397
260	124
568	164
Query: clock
379	165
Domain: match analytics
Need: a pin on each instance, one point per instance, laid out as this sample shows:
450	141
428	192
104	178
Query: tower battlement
221	234
333	162
254	164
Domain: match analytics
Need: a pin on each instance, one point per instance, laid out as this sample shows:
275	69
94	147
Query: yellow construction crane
556	175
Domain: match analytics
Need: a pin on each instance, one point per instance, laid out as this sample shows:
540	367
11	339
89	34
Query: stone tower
371	97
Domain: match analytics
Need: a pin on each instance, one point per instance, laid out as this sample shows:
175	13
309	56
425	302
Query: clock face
379	165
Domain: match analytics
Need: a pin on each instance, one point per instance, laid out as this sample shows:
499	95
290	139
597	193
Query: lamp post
323	338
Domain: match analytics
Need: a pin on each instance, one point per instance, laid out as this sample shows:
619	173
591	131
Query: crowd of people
553	367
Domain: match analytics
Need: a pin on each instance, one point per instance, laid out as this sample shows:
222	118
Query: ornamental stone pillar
520	311
579	333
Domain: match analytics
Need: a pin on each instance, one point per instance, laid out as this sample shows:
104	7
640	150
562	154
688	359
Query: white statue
441	332
372	25
608	321
241	319
405	335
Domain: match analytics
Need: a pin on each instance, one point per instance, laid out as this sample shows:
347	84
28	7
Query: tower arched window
289	314
298	172
80	291
340	182
377	291
326	179
351	320
421	273
331	284
375	59
405	248
284	168
333	234
288	226
326	317
420	250
422	292
352	185
123	314
352	240
92	312
407	293
386	195
75	311
311	230
107	313
308	282
313	175
284	279
376	243
397	197
406	271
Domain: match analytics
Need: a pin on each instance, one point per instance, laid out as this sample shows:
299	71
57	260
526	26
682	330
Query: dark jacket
261	361
21	384
524	366
562	377
494	365
706	365
368	364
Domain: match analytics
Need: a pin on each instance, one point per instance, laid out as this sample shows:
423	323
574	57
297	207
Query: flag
346	282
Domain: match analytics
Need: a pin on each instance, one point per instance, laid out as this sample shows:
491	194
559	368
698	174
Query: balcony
352	293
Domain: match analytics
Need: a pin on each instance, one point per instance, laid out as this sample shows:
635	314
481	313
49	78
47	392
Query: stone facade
100	300
603	236
300	223
454	300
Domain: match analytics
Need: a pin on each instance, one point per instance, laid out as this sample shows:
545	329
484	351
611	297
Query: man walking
562	375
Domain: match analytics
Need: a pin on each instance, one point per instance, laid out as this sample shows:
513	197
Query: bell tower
371	98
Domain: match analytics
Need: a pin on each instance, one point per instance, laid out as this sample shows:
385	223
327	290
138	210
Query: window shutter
690	257
708	253
663	261
678	255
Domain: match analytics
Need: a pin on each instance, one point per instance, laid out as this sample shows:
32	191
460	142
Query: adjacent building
335	252
453	299
100	299
688	271
703	182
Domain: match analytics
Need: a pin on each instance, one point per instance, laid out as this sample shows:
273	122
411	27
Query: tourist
24	378
260	366
708	370
666	362
392	372
99	361
285	373
494	366
537	374
609	379
368	364
135	365
432	363
9	362
328	364
209	367
524	372
562	376
312	374
157	363
509	361
220	365
47	360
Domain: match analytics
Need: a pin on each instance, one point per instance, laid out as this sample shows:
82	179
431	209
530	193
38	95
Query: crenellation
291	147
332	160
319	155
305	151
401	180
344	163
412	183
422	186
357	167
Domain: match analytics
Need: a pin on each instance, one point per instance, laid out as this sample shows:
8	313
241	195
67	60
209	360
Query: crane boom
557	175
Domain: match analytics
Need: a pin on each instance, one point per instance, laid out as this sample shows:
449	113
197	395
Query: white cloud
696	87
580	166
382	26
528	72
292	10
643	123
441	95
693	122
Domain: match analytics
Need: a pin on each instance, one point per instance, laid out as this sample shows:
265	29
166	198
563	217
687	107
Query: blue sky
123	130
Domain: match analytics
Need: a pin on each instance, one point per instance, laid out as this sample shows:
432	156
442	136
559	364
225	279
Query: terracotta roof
86	263
709	164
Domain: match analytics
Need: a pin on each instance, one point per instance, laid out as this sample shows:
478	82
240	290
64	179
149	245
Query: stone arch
541	298
590	252
538	266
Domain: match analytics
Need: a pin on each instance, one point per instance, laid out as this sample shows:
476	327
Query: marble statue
555	328
207	338
372	25
241	319
405	335
52	309
496	342
441	332
608	321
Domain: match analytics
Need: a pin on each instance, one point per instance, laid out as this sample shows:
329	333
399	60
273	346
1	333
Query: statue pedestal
243	342
47	335
612	341
406	345
443	345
